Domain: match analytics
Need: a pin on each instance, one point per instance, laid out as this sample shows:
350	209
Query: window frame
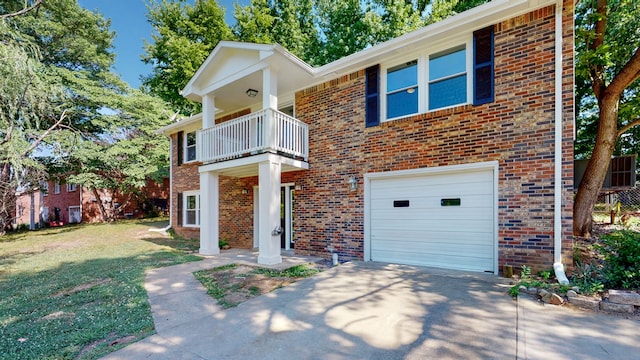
185	208
56	188
187	147
72	187
423	58
44	187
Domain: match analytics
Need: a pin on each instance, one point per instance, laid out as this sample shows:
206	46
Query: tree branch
626	128
23	11
629	73
45	134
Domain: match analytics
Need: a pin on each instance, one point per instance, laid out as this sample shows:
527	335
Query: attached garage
441	217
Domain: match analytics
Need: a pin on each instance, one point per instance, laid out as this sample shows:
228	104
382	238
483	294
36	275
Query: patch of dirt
112	340
59	315
237	284
82	287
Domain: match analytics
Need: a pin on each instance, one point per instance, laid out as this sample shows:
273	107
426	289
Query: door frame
288	215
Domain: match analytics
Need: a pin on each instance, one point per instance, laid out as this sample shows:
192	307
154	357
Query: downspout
80	191
558	267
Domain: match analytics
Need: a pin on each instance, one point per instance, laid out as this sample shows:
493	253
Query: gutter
558	267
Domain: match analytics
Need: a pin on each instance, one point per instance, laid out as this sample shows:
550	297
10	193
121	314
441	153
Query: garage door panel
431	214
443	261
423	232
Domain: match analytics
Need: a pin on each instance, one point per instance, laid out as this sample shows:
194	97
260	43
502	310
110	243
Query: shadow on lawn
78	309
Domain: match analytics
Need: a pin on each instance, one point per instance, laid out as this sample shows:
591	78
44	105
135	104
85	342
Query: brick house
450	146
70	203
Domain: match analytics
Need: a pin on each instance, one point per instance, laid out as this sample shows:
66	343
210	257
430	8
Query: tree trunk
103	211
597	167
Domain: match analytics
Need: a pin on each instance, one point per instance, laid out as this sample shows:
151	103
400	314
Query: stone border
617	301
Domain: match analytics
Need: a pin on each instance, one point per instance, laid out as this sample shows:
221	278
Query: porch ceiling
247	167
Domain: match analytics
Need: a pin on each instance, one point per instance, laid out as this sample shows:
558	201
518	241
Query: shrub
621	251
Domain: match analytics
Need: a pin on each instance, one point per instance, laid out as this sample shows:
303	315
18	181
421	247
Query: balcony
264	131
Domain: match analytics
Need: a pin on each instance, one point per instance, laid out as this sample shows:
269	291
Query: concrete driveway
372	311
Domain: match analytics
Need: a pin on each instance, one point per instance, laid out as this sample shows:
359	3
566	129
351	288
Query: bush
621	251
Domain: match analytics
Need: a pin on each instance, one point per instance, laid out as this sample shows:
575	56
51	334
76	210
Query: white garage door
442	220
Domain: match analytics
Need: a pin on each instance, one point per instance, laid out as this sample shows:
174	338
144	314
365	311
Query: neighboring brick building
450	146
61	204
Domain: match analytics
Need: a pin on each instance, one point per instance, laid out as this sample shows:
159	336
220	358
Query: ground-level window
191	208
74	214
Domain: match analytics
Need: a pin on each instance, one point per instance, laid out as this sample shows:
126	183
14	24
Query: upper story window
448	79
402	89
44	186
56	188
190	146
430	82
72	187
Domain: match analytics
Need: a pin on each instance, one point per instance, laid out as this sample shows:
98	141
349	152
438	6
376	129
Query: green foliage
183	37
588	278
622	259
605	62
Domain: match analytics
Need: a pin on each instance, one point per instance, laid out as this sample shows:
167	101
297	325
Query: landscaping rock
532	291
585	303
576	289
619	308
556	299
522	289
624	297
571	293
545	296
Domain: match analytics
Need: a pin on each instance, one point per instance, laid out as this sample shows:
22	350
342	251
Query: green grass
78	291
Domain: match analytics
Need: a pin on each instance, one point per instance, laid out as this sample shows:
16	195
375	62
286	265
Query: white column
209	213
208	111
269	89
269	213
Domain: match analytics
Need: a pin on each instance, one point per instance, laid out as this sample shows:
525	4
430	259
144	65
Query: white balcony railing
266	130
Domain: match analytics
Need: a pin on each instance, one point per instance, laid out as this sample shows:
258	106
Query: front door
286	216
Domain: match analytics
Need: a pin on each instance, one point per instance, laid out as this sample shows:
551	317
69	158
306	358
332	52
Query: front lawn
78	291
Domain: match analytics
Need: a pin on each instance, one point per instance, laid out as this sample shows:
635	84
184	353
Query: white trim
487	165
557	186
193	122
198	209
56	187
169	202
287	218
75	207
463	42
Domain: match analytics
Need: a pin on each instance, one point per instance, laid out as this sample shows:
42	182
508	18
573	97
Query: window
44	186
402	89
447	79
191	212
71	187
56	188
190	146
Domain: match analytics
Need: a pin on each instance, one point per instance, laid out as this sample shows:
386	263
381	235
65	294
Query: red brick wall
517	130
62	200
23	208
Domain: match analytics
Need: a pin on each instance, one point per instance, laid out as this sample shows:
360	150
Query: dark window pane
483	82
447	65
402	76
191	202
404	102
191	217
448	92
191	138
191	153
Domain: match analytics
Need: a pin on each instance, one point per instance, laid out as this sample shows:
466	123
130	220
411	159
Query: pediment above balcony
234	67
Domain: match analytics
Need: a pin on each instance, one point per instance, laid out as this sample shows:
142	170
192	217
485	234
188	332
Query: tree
607	73
184	35
56	82
123	156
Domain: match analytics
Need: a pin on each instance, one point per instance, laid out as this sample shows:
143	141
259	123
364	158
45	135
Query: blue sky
128	20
